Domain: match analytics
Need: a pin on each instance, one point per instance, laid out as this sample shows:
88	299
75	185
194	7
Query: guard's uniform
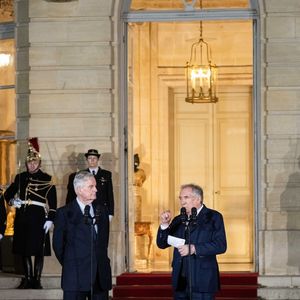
2	213
34	197
39	202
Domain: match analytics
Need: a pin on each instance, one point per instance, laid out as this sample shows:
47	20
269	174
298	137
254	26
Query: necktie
89	209
87	212
94	173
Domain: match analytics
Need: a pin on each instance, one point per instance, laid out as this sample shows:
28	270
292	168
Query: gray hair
80	178
196	189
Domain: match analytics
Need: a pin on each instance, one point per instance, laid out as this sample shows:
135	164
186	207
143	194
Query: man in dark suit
80	242
202	236
105	195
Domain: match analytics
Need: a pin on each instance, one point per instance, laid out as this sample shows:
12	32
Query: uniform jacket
2	214
75	246
208	236
105	195
29	235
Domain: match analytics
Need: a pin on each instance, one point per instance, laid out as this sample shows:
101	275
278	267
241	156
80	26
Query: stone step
51	288
9	282
276	293
45	294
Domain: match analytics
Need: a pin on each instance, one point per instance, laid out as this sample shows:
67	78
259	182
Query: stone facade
65	92
279	207
67	95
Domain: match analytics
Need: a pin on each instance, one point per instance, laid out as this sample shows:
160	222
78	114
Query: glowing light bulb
5	59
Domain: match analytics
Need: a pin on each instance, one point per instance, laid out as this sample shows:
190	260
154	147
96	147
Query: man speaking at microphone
198	235
80	242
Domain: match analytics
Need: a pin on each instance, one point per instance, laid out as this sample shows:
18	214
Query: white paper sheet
175	241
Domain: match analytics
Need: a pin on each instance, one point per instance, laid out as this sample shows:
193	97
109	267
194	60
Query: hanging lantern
201	74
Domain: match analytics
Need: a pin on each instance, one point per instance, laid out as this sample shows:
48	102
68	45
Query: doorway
178	142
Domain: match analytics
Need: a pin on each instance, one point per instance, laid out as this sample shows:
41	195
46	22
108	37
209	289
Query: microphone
97	214
193	218
183	215
86	215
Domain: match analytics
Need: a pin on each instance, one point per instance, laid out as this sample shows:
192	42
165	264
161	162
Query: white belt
32	202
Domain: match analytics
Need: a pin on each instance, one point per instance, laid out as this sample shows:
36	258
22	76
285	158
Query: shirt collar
81	205
93	169
199	209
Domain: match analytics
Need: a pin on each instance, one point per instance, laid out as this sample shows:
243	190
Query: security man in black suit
103	178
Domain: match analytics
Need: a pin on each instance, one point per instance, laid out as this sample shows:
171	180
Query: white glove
110	217
16	202
47	225
1	236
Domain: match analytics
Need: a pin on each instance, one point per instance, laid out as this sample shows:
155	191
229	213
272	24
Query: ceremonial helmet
33	150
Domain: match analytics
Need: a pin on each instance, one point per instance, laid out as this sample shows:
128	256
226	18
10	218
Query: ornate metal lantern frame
201	73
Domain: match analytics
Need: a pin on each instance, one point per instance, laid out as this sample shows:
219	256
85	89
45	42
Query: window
7	92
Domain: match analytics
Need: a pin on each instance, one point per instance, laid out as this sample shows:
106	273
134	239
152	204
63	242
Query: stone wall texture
66	83
65	92
279	258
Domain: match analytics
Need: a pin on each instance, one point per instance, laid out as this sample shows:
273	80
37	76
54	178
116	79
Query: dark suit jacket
105	195
75	247
208	236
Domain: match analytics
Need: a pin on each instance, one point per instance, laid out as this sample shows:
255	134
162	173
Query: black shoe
36	284
25	284
20	286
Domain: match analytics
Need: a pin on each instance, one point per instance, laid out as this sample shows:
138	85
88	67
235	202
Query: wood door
213	145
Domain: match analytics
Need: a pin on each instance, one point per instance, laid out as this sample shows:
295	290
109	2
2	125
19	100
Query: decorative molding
60	0
189	5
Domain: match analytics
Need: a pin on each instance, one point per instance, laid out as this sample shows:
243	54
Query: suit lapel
74	213
201	217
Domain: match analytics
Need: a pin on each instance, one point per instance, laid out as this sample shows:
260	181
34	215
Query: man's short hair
80	178
196	189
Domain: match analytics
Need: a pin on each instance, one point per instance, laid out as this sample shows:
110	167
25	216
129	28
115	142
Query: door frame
126	16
